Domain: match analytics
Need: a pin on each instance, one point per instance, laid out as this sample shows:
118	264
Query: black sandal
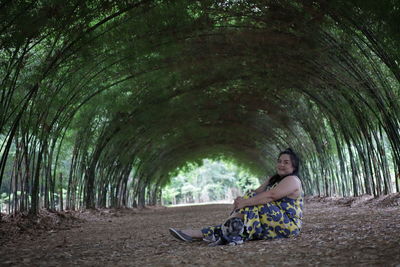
179	235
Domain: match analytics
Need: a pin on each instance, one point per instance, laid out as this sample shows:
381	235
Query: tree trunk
35	189
61	198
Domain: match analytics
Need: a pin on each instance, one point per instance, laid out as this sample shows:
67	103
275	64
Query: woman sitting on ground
274	210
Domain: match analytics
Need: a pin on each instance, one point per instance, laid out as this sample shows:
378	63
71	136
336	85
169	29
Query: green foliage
210	181
94	89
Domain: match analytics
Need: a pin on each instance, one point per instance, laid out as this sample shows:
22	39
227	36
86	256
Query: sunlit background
213	181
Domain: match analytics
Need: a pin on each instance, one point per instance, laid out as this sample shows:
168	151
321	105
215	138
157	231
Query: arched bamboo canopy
149	86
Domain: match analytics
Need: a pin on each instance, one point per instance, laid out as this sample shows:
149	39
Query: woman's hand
239	203
235	202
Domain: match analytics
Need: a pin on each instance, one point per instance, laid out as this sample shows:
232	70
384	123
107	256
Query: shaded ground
353	231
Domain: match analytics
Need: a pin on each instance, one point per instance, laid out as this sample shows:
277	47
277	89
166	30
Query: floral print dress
276	219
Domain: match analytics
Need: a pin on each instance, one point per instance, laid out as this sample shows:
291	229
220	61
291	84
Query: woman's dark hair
295	163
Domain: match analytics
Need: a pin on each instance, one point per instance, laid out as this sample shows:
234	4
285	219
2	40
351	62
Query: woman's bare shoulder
295	179
292	178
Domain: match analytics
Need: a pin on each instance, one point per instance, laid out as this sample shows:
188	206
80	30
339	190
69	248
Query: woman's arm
262	187
287	186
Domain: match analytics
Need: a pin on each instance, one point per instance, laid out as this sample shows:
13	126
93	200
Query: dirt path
332	235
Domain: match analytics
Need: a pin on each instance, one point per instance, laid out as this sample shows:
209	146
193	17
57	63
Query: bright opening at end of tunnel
213	181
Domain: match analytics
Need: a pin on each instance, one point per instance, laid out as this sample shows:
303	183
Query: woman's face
284	165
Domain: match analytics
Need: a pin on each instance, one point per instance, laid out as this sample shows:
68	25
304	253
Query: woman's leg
186	235
213	230
197	234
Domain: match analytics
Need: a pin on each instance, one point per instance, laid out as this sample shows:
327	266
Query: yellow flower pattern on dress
276	219
280	218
